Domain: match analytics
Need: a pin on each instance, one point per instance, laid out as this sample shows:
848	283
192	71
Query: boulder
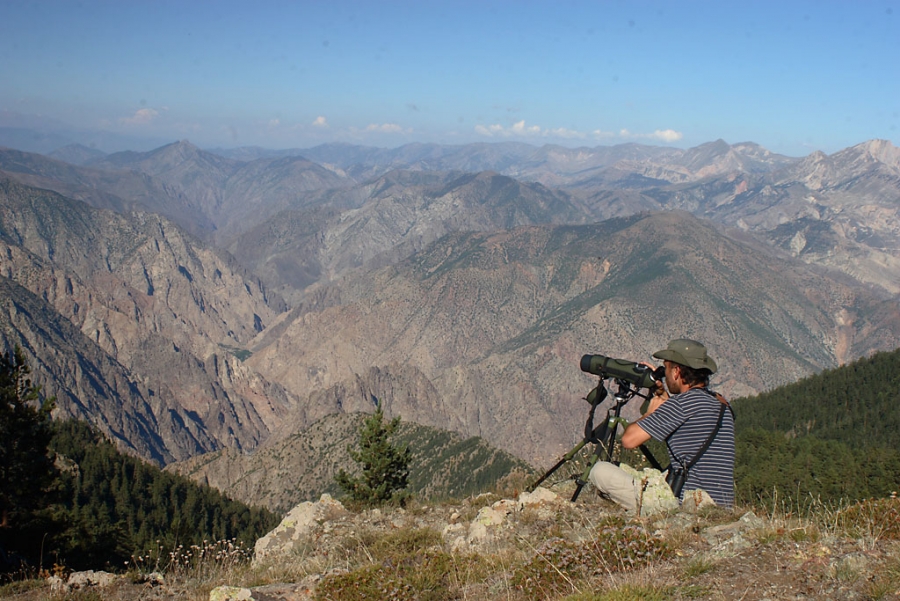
81	580
695	500
657	497
728	540
299	523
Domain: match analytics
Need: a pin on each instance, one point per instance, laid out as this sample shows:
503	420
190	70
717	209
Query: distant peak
180	148
877	144
180	144
719	144
882	151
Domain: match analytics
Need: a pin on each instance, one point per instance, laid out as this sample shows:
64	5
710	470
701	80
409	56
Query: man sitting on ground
692	422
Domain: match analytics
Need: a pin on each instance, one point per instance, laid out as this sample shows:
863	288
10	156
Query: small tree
384	465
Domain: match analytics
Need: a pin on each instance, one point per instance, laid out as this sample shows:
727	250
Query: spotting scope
635	373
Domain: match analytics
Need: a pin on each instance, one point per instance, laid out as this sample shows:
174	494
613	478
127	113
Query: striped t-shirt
686	420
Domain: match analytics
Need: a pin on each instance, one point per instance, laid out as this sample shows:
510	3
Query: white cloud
273	123
140	117
562	132
519	128
667	135
387	128
320	121
664	135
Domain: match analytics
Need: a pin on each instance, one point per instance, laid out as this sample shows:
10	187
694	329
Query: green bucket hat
687	352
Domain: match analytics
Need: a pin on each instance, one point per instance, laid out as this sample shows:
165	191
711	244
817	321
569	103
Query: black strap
705	444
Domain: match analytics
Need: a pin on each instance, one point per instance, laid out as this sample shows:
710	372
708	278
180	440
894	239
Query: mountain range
190	301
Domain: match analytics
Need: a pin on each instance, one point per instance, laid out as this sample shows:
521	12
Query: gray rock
80	580
297	524
728	539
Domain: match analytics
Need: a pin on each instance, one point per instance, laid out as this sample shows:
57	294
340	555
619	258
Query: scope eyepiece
621	369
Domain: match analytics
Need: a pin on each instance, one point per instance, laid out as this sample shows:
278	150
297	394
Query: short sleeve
665	420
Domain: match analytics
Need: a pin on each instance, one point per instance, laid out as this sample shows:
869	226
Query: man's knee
604	472
615	483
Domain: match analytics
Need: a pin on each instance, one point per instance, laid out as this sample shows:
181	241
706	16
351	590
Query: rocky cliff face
87	383
158	304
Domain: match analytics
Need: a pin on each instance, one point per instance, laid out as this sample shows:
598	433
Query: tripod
603	437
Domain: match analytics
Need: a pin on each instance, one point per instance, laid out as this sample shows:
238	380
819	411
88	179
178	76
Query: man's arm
634	436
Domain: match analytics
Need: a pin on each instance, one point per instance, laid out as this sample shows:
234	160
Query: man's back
686	421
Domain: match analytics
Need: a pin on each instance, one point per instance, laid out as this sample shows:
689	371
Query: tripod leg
580	482
567	457
604	439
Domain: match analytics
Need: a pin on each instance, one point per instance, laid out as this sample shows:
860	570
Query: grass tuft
876	519
559	564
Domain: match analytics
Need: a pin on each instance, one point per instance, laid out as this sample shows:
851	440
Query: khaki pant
617	484
633	490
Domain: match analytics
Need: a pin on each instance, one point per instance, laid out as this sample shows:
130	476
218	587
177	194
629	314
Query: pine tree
384	466
26	471
102	524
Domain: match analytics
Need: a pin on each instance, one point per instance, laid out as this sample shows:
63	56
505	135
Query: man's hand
659	397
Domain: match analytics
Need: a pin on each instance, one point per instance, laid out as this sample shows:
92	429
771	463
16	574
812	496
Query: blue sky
792	76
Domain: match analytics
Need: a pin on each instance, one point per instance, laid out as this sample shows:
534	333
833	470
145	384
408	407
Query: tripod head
605	433
625	391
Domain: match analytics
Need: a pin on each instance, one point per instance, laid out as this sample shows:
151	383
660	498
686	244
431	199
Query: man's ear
676	372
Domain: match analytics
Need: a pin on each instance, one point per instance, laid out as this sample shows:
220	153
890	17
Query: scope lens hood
586	363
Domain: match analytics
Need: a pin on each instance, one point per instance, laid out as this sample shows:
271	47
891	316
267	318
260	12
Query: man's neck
685	388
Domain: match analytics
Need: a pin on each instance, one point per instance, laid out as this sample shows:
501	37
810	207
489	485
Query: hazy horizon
794	77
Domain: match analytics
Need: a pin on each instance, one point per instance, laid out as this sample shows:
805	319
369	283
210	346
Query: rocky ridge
293	466
232	195
402	214
529	546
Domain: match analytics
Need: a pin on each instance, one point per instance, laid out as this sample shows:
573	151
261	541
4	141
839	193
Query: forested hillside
855	403
107	507
832	436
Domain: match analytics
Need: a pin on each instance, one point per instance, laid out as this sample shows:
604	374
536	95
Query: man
684	421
